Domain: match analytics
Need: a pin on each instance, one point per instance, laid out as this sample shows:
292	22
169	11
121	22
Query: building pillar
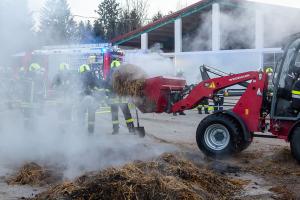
144	41
216	33
178	35
259	29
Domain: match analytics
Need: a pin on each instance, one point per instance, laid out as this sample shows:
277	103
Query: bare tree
132	15
140	7
157	16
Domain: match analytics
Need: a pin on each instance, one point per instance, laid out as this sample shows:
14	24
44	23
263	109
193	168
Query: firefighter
115	63
62	84
218	100
116	102
269	70
269	94
34	67
289	106
203	105
89	85
296	97
179	74
33	84
92	61
88	81
22	73
295	93
62	78
36	76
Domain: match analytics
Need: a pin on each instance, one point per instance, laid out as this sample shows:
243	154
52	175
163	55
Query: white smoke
15	34
153	63
68	147
237	24
73	149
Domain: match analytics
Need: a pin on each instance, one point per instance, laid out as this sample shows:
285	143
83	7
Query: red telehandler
232	131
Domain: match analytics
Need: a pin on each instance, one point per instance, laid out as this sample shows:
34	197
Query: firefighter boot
115	130
181	113
200	111
206	111
130	127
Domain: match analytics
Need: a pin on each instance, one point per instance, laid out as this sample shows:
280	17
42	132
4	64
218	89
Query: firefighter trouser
296	99
32	102
203	105
218	103
64	113
28	117
87	105
126	112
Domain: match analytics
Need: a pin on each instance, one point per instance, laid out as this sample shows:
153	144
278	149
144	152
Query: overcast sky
87	7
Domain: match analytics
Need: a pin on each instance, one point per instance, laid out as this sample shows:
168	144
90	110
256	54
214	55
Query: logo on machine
239	77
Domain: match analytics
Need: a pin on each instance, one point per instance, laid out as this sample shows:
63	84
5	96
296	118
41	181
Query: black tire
243	145
295	144
226	127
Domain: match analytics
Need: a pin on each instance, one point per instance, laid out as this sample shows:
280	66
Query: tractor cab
287	73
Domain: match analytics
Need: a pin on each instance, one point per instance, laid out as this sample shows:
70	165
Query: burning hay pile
129	80
34	175
169	177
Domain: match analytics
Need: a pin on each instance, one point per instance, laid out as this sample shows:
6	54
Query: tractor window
289	63
297	63
276	71
287	71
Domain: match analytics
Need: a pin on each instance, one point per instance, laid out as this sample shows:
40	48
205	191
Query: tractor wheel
218	135
242	144
295	144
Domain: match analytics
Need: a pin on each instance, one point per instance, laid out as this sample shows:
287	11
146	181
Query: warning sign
212	85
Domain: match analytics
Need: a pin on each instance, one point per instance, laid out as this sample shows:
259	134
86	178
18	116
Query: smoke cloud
15	31
71	149
74	151
153	63
237	25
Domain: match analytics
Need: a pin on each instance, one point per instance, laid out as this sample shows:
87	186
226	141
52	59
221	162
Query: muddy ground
266	166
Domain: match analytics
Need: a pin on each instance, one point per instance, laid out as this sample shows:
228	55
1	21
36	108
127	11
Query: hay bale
168	177
129	80
34	175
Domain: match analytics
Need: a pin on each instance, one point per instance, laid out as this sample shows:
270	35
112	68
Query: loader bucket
157	94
